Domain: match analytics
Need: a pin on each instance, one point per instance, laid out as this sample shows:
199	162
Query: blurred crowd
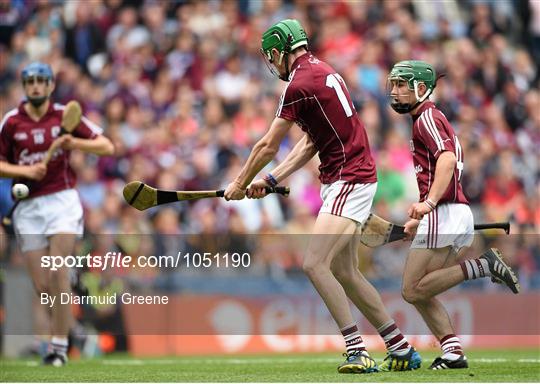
181	90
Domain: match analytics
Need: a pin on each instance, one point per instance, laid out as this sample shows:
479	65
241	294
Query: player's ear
50	87
422	89
276	56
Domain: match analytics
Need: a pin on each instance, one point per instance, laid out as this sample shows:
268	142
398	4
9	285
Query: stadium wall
191	325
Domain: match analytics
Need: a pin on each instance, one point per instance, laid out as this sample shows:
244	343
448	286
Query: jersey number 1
334	81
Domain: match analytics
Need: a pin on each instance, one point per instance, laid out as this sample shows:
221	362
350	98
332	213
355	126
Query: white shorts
447	225
35	219
348	199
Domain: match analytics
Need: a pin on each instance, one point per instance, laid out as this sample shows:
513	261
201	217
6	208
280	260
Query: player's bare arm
444	171
302	152
99	145
33	172
263	152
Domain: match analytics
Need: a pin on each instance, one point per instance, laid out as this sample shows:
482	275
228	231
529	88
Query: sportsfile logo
109	260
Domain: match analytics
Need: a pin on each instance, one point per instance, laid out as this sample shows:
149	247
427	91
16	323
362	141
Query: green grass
491	366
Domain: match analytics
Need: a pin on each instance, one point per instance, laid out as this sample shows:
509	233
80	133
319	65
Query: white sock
475	268
59	345
395	342
451	347
353	340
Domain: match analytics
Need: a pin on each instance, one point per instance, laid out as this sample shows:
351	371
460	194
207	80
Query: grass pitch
485	366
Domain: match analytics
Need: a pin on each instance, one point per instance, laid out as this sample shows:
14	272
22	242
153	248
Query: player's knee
309	268
41	285
414	294
312	266
410	294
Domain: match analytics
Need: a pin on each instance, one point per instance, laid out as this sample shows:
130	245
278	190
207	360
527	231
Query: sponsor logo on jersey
20	136
28	158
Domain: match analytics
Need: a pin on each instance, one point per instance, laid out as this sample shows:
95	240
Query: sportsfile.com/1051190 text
118	260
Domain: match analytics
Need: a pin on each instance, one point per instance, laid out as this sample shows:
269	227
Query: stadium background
182	91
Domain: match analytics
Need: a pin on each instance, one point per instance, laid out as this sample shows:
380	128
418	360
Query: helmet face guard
269	62
413	73
30	80
395	98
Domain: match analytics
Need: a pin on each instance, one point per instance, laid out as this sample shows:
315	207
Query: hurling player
317	100
50	219
441	223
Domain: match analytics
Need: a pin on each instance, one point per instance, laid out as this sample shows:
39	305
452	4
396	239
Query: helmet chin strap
285	54
418	98
403	108
285	77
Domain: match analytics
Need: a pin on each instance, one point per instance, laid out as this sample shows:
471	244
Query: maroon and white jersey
24	141
317	99
432	134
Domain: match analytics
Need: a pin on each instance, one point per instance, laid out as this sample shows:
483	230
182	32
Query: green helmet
413	72
285	36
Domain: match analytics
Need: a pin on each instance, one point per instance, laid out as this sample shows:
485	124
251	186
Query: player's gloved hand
235	191
410	229
36	171
418	210
256	190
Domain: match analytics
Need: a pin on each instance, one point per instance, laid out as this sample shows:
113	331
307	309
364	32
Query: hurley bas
113	298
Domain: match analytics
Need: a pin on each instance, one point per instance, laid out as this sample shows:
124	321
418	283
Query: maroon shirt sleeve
87	129
433	129
290	103
6	138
